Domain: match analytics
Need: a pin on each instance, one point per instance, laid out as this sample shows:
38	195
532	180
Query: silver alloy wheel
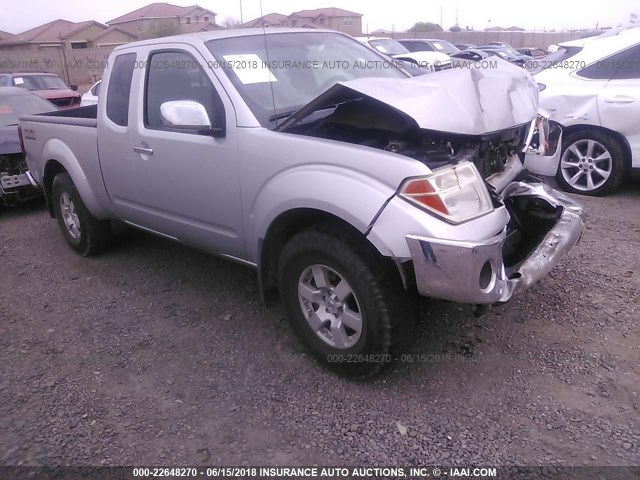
586	165
330	306
69	215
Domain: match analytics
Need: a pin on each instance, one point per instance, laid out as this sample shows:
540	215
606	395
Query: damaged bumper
19	187
489	271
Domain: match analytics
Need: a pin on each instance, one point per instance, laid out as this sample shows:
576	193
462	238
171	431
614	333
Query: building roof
6	35
157	10
269	18
53	32
113	29
198	38
327	12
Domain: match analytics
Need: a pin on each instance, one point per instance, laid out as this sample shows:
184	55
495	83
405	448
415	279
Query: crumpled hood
467	101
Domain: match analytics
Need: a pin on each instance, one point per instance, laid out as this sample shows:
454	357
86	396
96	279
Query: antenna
266	50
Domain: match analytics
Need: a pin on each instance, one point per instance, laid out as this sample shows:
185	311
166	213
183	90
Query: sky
397	15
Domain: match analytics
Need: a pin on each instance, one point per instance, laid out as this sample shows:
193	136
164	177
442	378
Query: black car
15	183
508	54
472	54
533	52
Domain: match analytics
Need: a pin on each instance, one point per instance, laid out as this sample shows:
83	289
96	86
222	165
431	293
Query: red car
46	85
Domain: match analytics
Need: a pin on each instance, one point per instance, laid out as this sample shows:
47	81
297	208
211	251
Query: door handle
143	150
620	99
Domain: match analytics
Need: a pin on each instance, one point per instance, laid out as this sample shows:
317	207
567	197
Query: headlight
541	87
456	193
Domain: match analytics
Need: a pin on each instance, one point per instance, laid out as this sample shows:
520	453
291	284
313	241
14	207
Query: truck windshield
278	73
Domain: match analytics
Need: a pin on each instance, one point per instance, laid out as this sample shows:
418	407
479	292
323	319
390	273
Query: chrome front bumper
474	272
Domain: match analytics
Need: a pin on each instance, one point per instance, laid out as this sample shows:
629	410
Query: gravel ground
154	353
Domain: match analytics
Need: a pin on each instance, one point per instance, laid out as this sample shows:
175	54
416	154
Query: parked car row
427	60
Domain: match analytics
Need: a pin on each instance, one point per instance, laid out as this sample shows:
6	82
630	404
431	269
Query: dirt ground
154	353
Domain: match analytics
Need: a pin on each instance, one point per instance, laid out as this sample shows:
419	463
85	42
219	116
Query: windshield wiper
280	116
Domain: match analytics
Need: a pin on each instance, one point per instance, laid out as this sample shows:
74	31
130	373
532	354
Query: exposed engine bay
13	164
370	123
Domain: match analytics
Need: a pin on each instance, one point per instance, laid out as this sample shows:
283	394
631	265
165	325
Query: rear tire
84	233
592	163
344	303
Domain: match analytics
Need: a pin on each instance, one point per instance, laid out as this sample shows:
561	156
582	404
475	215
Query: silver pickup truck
350	187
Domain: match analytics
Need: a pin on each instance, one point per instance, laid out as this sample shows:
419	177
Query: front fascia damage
488	117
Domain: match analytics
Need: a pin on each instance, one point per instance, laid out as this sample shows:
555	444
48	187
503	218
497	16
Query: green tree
231	22
425	27
455	28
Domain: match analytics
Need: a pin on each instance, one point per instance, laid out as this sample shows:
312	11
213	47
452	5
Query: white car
429	60
592	88
91	97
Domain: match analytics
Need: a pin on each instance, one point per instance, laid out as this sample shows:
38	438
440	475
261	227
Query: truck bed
71	138
80	116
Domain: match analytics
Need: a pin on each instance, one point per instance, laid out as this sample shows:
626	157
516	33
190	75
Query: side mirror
188	115
74	87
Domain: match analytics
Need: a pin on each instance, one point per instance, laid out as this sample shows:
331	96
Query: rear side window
120	89
630	67
622	65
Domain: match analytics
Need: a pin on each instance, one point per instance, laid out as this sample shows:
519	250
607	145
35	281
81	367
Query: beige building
58	33
162	19
268	20
112	37
329	18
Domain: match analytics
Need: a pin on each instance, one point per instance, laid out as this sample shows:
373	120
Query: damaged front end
475	130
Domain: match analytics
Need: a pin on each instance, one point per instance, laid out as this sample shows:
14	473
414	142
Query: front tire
84	233
592	163
344	303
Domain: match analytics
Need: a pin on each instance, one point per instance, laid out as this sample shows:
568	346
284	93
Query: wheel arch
51	169
616	136
283	228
